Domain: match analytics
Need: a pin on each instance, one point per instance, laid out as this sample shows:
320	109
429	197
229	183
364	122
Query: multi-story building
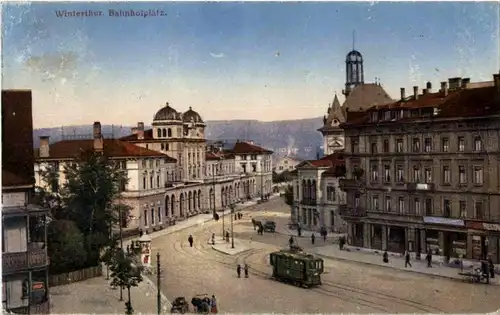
285	163
24	235
423	172
317	195
171	171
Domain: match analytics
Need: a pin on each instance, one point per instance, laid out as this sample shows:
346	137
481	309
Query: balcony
353	212
350	184
413	187
33	258
308	202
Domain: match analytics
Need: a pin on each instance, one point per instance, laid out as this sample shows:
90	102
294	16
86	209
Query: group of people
238	270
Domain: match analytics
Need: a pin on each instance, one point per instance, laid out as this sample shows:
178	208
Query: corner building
422	173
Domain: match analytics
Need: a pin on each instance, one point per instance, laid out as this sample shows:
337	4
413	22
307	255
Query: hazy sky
266	61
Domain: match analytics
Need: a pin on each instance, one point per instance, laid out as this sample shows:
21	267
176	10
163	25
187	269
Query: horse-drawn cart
180	305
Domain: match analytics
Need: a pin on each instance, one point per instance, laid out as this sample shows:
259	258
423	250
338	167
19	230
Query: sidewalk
226	248
395	262
285	229
95	296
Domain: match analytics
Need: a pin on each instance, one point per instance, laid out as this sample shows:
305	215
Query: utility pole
222	198
232	231
158	291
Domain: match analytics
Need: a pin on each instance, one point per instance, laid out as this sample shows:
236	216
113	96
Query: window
428	207
374	147
416	174
330	193
478	175
158	131
153	216
374	172
417	206
446	208
158	181
157	162
375	204
388	204
399	145
150	163
401	203
416	145
162	146
151	182
400	173
164	133
445	145
463	209
462	178
427	145
356	200
461	144
169	132
386	146
145	217
144	182
446	175
159	215
428	175
478	210
387	173
354	146
478	144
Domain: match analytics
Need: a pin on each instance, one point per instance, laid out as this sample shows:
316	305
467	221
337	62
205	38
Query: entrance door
418	243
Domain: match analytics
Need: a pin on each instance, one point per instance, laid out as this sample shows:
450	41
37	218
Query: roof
10	179
216	156
112	148
167	113
148	135
459	103
364	96
241	147
335	115
192	116
332	160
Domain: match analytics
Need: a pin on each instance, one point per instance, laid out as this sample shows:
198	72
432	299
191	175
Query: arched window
169	132
199	199
164	133
159	214
145	217
153	216
159	132
172	205
144	182
167	205
189	201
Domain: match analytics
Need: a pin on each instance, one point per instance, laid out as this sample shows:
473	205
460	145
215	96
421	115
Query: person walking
385	257
246	271
213	305
238	270
290	241
313	238
491	267
407	259
213	238
190	240
227	236
429	259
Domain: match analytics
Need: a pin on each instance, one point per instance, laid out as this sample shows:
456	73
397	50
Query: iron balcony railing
32	258
348	184
347	211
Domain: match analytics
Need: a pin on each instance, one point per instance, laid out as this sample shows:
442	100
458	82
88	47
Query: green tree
289	195
124	274
65	246
93	185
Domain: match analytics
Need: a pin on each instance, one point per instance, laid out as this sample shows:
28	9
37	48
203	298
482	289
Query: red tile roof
241	147
460	103
112	148
331	160
10	179
148	135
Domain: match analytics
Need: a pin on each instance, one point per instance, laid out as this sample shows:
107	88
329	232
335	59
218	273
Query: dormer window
374	116
387	115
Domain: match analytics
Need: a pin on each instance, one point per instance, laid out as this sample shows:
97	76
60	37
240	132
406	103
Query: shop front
357	234
396	239
376	236
445	237
484	240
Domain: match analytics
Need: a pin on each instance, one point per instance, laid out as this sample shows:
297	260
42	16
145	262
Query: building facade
24	235
317	195
423	172
285	163
172	173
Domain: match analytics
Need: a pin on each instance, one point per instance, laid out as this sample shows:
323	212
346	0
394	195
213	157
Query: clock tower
333	135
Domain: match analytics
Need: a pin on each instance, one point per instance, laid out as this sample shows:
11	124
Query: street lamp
232	231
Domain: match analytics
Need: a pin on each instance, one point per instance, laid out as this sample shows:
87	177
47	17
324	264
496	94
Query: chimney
140	130
44	147
429	87
496	80
424	91
403	94
98	141
465	82
455	83
415	92
133	130
444	88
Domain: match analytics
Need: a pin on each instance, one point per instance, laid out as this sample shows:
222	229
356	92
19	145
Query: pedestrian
213	305
491	267
385	257
213	238
238	270
227	236
190	240
407	259
325	233
290	241
313	238
246	271
341	242
235	217
299	231
241	215
429	259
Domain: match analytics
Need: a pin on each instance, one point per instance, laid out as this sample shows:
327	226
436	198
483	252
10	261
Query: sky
233	60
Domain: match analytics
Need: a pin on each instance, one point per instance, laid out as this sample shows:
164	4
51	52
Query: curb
390	267
165	302
223	252
320	238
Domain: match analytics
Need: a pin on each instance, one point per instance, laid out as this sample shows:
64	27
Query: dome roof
191	115
167	113
354	55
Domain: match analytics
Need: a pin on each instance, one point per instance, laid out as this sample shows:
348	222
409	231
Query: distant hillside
279	136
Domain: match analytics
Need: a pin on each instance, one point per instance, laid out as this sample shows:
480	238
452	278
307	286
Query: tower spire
353	39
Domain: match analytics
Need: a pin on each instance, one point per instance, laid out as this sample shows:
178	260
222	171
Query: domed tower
194	146
353	70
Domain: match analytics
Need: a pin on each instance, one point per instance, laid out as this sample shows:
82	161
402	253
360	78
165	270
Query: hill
282	137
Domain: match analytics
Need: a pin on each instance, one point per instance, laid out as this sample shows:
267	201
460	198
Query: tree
289	195
93	184
124	274
65	246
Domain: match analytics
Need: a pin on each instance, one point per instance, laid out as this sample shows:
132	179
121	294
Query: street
347	286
